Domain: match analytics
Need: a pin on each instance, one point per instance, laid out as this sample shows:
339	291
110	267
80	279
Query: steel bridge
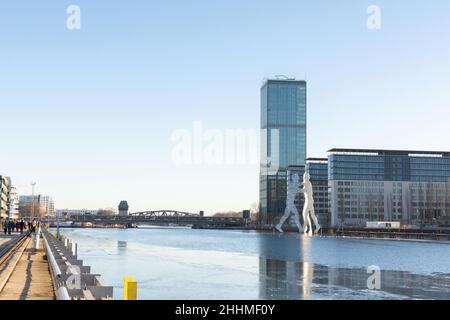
163	217
164	213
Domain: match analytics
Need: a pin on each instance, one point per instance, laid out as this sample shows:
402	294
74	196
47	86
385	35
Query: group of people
10	225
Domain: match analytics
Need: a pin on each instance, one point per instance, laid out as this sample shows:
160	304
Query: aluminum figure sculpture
292	190
308	208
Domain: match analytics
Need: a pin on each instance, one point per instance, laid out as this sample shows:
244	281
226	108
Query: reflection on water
121	245
215	264
305	280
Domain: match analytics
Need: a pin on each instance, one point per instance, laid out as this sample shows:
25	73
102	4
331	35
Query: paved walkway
6	238
30	278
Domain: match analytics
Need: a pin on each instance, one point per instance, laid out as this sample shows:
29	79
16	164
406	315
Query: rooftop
282	79
317	159
392	152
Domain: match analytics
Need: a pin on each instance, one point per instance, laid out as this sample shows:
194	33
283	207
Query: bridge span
164	217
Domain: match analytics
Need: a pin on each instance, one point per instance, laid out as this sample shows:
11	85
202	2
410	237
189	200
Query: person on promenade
21	226
5	227
17	226
11	225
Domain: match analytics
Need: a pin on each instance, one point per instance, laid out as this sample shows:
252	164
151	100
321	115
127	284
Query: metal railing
71	279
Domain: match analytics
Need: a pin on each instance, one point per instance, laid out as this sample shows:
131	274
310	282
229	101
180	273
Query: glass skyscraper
283	141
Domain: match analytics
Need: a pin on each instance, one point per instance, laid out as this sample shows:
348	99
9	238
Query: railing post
74	248
38	233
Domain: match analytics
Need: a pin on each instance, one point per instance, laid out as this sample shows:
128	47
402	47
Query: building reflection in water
296	277
121	246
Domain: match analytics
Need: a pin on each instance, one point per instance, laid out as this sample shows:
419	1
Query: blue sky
88	114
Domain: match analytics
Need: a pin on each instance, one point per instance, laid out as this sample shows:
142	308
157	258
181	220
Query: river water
183	263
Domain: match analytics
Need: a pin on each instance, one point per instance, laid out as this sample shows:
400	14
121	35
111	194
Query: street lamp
33	184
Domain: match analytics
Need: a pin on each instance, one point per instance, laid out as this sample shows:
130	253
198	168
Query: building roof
393	152
123	205
283	80
317	159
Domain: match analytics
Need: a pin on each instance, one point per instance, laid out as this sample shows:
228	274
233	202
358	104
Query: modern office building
75	212
12	202
37	205
283	141
318	171
388	185
3	196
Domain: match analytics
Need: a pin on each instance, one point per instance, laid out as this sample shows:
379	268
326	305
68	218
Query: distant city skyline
89	114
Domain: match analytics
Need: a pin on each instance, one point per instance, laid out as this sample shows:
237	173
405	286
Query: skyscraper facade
283	141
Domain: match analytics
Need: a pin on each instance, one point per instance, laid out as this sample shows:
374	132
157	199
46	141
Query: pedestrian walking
11	226
5	227
21	226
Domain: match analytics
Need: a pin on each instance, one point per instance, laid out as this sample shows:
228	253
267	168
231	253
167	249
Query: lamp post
57	224
33	184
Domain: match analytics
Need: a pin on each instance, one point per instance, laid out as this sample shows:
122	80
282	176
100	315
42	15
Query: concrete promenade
25	274
50	272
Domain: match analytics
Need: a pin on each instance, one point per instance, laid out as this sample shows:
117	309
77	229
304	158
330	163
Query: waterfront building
75	212
3	196
37	205
12	202
412	187
283	141
318	171
123	208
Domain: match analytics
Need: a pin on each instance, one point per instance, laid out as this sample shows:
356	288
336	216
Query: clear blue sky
88	114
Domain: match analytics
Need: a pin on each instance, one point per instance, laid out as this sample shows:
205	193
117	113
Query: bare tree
28	210
106	212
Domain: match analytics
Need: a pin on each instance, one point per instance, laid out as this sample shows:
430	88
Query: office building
283	141
76	212
12	202
36	206
412	187
318	171
3	196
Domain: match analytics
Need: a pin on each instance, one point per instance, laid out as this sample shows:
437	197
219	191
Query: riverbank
437	235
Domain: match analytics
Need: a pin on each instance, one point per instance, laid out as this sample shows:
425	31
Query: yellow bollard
129	288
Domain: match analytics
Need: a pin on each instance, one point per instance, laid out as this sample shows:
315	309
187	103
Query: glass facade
318	172
283	130
407	186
